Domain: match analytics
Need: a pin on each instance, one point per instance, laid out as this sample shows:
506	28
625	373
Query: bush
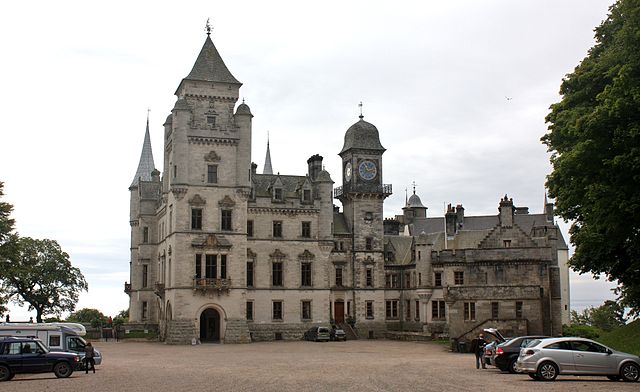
583	331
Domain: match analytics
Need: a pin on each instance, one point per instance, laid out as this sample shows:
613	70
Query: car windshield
41	346
323	330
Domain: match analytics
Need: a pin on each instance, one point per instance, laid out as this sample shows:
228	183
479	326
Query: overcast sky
458	90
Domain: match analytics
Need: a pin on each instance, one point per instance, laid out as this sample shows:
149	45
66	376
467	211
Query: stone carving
197	200
227	202
277	254
251	254
212	157
306	255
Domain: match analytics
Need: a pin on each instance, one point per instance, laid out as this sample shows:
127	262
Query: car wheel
62	370
547	371
512	367
630	372
5	373
614	378
534	376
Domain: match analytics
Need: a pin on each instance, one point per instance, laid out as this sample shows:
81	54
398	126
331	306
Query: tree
7	242
121	318
606	317
41	275
90	316
594	141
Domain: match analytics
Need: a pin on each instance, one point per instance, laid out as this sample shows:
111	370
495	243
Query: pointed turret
146	165
267	161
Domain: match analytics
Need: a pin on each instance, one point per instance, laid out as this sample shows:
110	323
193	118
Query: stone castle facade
222	253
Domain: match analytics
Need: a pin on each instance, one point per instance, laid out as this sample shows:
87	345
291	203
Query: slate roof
210	67
362	135
340	225
401	248
290	184
146	165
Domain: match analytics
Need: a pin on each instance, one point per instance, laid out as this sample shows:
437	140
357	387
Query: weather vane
360	105
208	27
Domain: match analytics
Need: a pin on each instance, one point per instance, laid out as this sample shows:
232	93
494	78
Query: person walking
477	347
89	353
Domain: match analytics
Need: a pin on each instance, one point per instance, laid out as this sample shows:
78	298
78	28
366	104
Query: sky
458	90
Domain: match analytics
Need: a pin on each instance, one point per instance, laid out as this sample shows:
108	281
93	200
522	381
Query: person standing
477	347
89	353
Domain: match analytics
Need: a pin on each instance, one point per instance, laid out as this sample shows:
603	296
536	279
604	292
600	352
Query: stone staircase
351	333
237	331
180	332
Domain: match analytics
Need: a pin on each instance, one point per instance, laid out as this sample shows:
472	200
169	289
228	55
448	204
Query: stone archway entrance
210	326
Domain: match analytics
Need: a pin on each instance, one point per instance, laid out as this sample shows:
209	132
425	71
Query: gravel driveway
363	365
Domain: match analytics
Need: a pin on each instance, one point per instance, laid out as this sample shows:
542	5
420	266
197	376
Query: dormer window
306	195
277	194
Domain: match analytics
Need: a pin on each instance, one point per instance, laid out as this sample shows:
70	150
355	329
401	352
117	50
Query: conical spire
146	165
267	161
210	67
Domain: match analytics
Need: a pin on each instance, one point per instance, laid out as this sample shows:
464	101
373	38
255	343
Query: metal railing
384	189
211	284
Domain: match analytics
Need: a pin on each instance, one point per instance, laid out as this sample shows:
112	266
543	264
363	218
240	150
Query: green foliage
7	243
41	275
52	319
121	318
90	316
625	338
605	317
594	141
583	331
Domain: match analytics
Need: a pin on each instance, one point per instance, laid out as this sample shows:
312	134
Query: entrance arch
210	325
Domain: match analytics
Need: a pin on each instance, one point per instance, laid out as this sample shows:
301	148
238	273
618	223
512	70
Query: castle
222	253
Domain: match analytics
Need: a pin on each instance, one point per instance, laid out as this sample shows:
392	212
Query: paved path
364	365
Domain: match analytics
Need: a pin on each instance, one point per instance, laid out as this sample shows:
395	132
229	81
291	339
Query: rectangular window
306	229
392	309
438	310
518	309
211	267
249	310
369	243
407	280
249	273
417	310
144	310
458	277
306	310
196	218
338	276
369	282
249	228
276	273
277	310
305	272
437	279
469	311
226	220
394	281
506	243
369	310
494	310
198	271
212	174
145	234
407	310
419	278
306	195
277	194
277	229
145	275
223	266
54	340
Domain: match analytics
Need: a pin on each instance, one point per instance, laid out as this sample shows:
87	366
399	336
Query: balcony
127	288
383	190
211	284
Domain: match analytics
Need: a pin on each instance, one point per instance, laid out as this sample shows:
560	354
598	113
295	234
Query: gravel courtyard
363	365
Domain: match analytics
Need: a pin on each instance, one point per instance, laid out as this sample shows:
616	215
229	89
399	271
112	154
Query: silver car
544	359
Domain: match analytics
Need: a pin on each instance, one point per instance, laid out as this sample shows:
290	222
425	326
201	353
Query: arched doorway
210	325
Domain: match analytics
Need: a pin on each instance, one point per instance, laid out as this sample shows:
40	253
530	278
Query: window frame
196	218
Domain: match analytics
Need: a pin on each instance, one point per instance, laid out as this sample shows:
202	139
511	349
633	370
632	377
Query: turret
243	118
324	185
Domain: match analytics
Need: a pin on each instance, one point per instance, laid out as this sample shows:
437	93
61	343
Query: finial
406	197
208	28
242	99
360	105
414	187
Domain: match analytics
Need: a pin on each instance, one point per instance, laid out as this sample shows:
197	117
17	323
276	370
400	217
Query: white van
56	336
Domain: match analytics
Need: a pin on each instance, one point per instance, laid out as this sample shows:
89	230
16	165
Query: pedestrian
7	318
477	347
31	320
89	353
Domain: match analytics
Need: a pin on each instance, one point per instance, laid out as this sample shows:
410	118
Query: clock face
347	171
367	170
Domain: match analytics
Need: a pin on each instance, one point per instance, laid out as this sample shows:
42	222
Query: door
592	358
210	326
33	358
338	310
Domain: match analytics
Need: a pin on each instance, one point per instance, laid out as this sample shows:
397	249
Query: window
419	278
369	243
392	309
211	267
419	255
437	279
438	310
226	220
338	276
518	309
277	194
306	229
211	121
458	277
54	340
249	273
276	273
249	228
277	310
144	310
249	311
145	234
212	174
306	195
223	266
369	310
495	306
369	277
394	281
407	280
196	218
469	311
417	310
306	310
175	171
305	272
198	271
145	275
506	243
407	310
277	229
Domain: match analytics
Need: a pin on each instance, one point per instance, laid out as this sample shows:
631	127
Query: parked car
505	355
317	334
545	359
29	355
337	334
489	348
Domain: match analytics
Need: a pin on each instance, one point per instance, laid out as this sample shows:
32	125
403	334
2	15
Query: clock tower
362	196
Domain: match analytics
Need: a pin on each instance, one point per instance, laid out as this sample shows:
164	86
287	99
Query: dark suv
28	355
